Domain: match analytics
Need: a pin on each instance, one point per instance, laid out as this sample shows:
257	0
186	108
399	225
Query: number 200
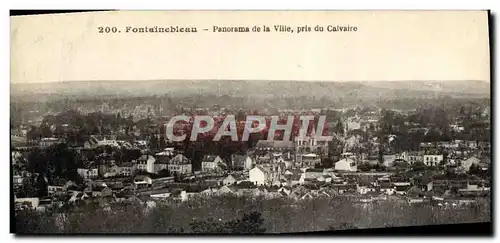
107	29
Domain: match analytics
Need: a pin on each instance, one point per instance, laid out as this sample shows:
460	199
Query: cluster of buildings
288	169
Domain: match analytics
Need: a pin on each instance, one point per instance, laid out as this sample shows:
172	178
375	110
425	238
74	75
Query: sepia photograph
250	122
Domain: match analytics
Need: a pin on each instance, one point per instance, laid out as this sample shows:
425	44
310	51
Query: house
258	175
17	157
275	146
47	142
88	173
365	189
474	188
412	156
310	160
32	202
285	190
59	187
310	144
125	169
426	185
95	141
98	190
208	192
325	178
293	178
343	188
401	187
388	160
466	164
186	194
142	181
146	163
311	173
17	181
211	163
352	123
346	164
167	152
180	165
387	188
241	162
229	180
78	196
161	164
432	159
227	190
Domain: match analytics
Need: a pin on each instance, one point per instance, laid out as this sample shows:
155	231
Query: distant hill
367	90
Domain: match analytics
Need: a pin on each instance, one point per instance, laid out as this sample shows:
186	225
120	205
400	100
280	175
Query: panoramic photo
104	141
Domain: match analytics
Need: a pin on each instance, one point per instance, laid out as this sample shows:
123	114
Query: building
212	163
466	164
433	159
146	163
241	162
180	165
125	169
17	181
143	181
387	188
95	141
161	164
310	145
310	160
229	180
352	123
412	157
47	142
401	187
286	147
88	173
259	175
346	164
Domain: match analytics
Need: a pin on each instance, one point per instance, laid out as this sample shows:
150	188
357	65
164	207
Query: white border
214	5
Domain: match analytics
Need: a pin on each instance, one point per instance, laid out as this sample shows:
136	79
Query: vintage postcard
249	122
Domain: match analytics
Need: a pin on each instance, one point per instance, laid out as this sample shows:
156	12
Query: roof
180	160
162	160
385	185
209	158
274	144
344	160
263	169
310	155
238	158
314	170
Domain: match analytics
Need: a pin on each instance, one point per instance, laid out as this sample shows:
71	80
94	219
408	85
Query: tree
164	173
328	163
364	167
339	128
45	131
251	223
418	166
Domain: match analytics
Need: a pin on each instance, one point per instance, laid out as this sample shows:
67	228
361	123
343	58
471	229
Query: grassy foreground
246	215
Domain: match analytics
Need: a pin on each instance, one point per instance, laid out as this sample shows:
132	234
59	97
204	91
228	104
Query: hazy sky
405	45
